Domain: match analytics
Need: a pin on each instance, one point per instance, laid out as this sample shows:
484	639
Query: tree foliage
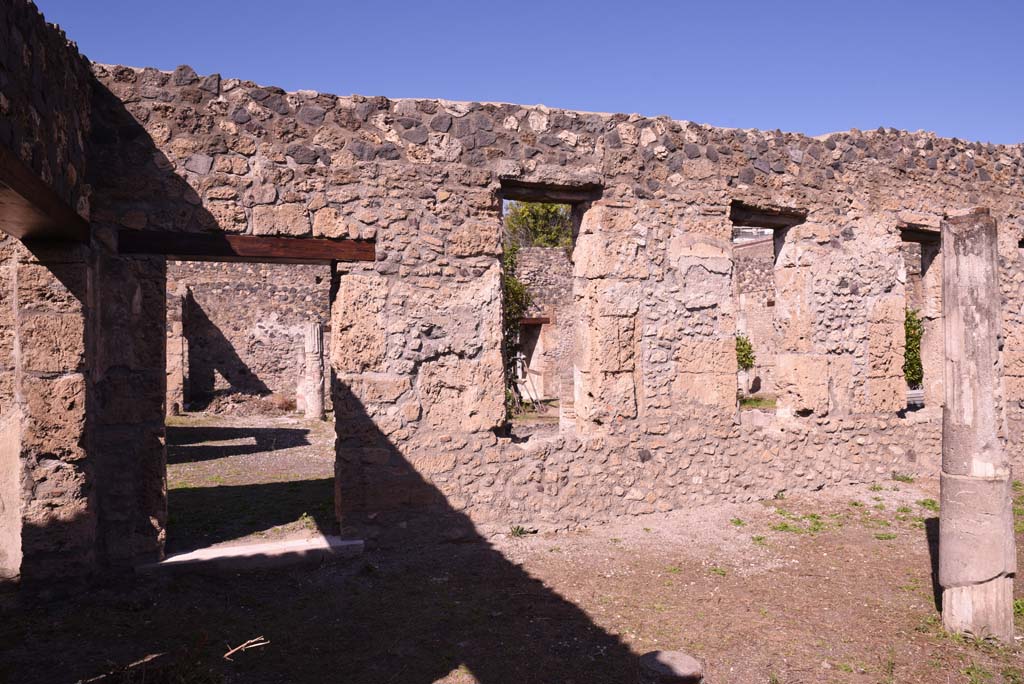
539	224
745	357
913	371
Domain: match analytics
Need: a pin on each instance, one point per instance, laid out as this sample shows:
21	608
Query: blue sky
956	68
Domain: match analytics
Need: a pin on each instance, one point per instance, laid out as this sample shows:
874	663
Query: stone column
977	557
177	357
313	387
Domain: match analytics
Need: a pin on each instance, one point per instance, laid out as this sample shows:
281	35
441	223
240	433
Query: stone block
358	324
802	381
475	238
330	222
288	220
52	343
54	415
56	287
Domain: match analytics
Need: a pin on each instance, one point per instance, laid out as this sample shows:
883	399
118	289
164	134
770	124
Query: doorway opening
540	226
250	437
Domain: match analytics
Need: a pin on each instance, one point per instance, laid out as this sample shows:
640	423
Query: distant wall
754	290
243	325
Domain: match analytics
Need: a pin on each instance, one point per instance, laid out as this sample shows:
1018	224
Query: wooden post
977	556
314	386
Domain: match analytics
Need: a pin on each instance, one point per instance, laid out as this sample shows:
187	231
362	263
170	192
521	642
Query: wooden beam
775	218
252	248
920	235
30	209
535	320
519	191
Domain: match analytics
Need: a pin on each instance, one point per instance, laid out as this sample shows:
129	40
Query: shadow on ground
191	444
204	516
432	600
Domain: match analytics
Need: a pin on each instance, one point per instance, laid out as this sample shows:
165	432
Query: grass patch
518	531
885	536
976	674
757	401
900	477
799	524
759	540
736	522
715	570
929	505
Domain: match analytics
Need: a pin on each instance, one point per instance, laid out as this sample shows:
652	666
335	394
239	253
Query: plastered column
976	546
313	387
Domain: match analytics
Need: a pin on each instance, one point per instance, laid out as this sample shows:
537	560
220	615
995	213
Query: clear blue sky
952	66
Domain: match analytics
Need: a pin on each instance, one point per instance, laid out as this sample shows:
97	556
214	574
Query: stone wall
242	326
45	91
649	419
48	517
416	341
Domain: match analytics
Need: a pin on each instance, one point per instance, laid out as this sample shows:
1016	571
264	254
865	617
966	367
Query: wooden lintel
535	320
252	248
30	209
775	218
920	235
520	191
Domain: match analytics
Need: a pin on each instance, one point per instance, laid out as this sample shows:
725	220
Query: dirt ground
240	479
833	586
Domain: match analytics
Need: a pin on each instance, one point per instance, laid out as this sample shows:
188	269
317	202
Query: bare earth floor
242	479
833	586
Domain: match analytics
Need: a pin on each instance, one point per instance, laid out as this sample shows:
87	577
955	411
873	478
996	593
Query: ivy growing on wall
912	369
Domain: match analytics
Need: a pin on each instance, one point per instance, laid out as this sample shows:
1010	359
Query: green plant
899	477
913	372
518	531
1018	608
539	224
885	536
717	571
976	674
745	357
759	540
737	522
875	488
929	504
1013	675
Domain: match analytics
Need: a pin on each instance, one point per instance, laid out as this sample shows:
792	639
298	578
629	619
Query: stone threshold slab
264	555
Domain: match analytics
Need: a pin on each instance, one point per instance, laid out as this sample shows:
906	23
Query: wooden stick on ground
251	643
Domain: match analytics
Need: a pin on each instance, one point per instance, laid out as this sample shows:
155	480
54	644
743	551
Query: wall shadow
931	528
486	613
431	599
224	513
211	353
189	444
